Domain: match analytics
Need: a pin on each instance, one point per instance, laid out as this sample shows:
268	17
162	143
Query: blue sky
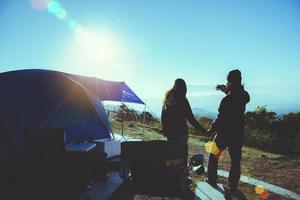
150	43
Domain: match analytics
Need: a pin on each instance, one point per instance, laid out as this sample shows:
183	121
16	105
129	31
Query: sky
150	43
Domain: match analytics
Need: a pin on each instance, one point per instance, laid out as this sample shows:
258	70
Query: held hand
203	130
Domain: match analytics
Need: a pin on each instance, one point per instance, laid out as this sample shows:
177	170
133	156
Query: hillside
272	168
198	112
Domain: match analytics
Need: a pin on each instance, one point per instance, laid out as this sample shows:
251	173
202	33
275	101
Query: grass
272	168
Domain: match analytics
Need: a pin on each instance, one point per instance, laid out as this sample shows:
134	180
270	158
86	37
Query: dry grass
272	168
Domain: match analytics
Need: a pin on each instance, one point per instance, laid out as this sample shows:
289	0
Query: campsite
56	134
149	100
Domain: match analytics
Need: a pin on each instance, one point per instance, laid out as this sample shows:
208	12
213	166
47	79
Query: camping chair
157	168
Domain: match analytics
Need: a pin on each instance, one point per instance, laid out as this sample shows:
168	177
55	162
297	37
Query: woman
176	112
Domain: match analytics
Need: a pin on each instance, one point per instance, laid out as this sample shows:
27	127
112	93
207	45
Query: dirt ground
272	168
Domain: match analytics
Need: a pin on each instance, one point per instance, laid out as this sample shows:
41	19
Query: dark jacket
231	119
175	115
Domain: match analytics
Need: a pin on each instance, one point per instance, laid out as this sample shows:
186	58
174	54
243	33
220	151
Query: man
229	127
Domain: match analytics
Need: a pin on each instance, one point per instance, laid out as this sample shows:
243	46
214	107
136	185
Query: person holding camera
229	129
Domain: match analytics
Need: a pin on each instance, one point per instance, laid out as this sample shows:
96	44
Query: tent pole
122	118
122	128
144	118
144	115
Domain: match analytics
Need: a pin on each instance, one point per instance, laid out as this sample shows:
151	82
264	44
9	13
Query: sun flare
94	52
96	47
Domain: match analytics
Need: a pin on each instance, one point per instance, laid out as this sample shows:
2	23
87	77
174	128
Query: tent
46	99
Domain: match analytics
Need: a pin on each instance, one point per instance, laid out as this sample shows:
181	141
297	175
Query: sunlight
91	52
96	52
96	47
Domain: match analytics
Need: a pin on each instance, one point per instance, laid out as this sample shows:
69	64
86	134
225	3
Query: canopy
108	90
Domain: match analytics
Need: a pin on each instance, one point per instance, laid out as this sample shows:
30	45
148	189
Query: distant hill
202	112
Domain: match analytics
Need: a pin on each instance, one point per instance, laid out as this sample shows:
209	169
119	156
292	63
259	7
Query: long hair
178	91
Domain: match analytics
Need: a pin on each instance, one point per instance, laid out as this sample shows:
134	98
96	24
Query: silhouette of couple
229	125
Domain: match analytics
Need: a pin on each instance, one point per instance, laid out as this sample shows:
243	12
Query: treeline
270	132
264	129
124	113
267	131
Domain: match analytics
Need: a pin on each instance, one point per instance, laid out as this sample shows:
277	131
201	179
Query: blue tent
46	99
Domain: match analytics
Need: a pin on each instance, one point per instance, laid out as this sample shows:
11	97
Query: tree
265	130
260	118
126	114
205	122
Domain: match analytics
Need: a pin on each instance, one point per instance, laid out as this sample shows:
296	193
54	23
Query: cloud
201	86
203	93
202	90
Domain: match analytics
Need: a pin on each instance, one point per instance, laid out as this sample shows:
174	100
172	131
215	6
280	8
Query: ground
272	168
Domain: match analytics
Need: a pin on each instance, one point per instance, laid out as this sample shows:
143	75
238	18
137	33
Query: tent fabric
108	90
46	99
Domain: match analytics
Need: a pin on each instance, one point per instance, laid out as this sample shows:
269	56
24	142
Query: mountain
202	112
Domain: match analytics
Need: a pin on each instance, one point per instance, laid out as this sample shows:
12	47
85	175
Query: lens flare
260	190
62	14
40	4
93	48
54	7
74	25
220	155
211	147
265	194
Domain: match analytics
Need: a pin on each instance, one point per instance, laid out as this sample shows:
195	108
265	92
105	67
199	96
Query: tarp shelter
46	99
108	90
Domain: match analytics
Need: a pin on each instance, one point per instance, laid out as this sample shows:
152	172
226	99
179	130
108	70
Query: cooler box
110	146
